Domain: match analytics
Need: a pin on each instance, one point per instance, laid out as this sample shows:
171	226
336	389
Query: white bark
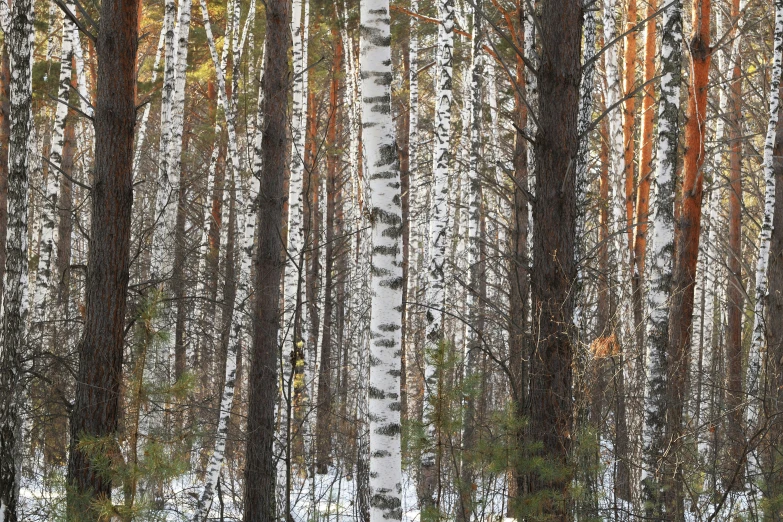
247	222
141	134
15	301
660	266
246	203
166	191
531	88
435	295
49	208
613	94
294	256
382	171
762	263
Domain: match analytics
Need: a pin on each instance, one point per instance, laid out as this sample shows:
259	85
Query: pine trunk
736	289
259	496
554	228
323	433
95	411
686	233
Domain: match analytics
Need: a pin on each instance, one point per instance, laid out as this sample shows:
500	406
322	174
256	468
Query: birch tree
19	36
386	220
660	262
762	263
438	241
52	188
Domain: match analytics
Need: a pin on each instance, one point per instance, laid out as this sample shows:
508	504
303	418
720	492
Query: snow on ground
332	498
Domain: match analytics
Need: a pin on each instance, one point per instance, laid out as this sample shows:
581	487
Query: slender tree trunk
736	288
772	459
655	399
178	283
402	118
95	411
382	171
5	138
311	259
554	228
43	280
438	243
259	497
643	206
754	354
323	432
15	305
473	194
519	308
629	117
687	228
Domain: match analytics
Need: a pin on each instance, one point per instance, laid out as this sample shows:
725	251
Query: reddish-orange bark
687	227
646	139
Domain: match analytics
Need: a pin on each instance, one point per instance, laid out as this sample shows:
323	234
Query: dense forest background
413	260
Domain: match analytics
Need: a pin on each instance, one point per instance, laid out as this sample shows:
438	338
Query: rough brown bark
324	408
101	348
259	494
554	228
518	346
735	290
65	203
312	220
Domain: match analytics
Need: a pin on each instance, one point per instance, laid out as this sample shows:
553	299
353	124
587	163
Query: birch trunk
438	242
165	196
15	286
660	266
141	134
295	258
386	221
246	204
472	346
772	465
51	192
762	263
5	139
